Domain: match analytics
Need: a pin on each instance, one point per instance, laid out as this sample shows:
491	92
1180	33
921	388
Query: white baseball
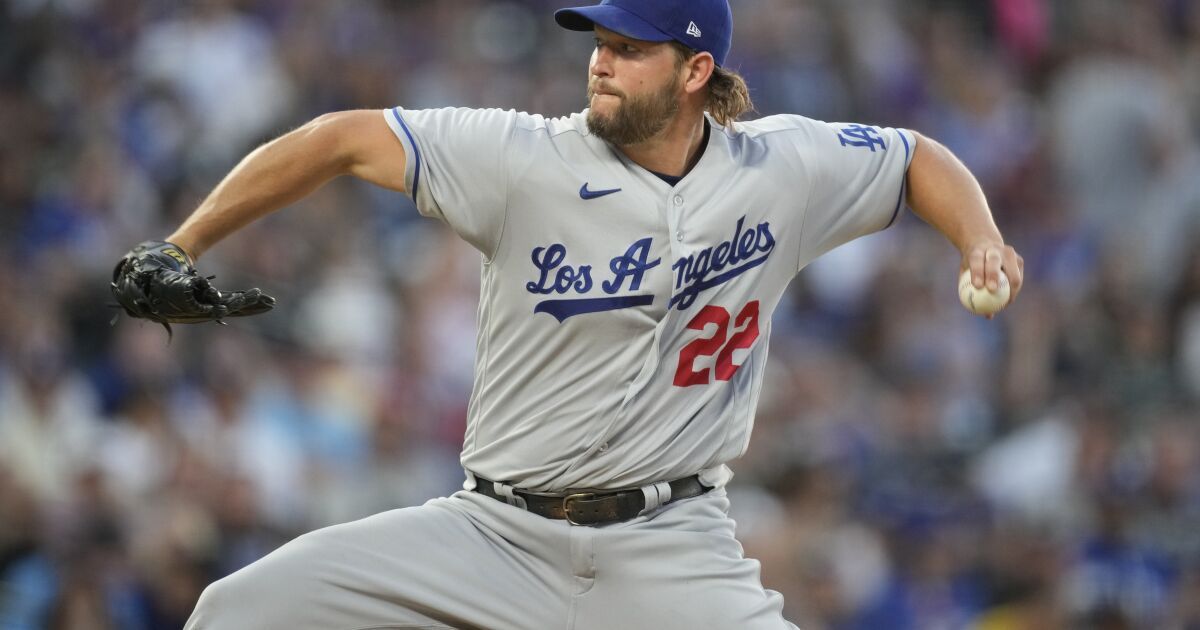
982	301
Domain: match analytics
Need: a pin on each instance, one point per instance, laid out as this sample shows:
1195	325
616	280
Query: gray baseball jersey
623	321
623	329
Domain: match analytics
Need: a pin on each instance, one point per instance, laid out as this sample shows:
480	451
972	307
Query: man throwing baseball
633	256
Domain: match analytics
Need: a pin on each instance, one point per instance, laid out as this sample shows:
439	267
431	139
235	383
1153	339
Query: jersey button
604	447
678	200
679	235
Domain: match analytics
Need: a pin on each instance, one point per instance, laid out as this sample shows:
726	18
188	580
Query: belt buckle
578	496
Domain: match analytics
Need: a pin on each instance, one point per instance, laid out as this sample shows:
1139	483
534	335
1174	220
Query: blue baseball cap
702	25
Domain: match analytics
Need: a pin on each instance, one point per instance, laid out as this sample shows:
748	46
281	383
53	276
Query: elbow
326	137
927	149
932	164
325	122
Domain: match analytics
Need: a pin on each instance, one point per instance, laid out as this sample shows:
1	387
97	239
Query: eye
620	48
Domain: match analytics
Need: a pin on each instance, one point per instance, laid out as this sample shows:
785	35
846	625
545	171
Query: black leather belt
594	507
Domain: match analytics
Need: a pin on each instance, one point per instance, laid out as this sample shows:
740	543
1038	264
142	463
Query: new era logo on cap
693	30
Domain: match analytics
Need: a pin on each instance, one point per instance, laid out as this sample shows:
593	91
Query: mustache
597	87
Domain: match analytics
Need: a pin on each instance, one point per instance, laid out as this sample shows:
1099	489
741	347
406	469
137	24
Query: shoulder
459	118
471	116
810	136
570	125
776	128
508	124
558	139
573	125
777	143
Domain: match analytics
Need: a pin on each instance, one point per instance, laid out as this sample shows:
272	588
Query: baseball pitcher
633	254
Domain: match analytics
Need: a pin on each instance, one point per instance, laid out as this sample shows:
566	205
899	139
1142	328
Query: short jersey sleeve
856	182
456	167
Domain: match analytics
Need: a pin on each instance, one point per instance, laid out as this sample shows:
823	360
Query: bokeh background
912	466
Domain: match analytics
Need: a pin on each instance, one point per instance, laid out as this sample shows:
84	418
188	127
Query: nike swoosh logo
584	193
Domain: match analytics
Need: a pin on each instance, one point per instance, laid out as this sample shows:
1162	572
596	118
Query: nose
601	65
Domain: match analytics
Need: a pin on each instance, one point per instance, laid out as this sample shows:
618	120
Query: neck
675	149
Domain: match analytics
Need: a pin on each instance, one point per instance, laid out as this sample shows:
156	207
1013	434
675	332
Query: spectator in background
910	463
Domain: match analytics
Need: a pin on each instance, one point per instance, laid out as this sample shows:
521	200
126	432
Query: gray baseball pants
469	561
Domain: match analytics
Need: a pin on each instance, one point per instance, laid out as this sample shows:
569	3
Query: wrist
189	247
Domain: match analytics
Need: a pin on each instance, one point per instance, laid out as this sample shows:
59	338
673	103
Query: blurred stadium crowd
912	467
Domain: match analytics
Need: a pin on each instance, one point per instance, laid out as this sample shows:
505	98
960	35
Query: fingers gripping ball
982	301
156	281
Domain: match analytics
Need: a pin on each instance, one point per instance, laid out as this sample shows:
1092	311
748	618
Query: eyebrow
610	36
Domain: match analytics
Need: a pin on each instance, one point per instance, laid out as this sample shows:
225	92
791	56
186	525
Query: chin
603	104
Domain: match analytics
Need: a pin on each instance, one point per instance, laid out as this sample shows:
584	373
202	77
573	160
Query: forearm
272	176
153	281
946	195
288	168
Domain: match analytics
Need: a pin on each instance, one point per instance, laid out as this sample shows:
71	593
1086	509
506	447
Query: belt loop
657	495
471	482
506	491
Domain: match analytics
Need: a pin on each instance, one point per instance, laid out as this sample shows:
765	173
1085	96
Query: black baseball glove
156	281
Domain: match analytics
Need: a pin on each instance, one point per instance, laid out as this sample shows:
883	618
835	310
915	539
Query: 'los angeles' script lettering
555	276
699	271
564	277
721	263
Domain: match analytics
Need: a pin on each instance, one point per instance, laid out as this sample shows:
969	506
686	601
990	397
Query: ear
698	70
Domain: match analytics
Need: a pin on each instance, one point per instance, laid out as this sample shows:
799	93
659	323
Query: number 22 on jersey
720	343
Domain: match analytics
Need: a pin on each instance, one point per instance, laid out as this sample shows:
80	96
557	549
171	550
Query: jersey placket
675	222
675	206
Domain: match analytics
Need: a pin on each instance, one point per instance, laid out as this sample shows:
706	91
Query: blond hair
728	94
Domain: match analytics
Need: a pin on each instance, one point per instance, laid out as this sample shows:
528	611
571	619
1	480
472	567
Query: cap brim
612	18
